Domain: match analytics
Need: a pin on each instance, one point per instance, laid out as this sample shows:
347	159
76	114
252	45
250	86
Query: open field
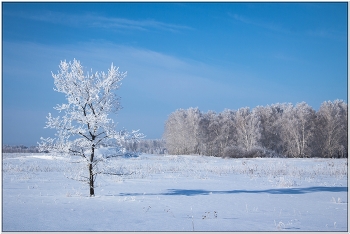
176	193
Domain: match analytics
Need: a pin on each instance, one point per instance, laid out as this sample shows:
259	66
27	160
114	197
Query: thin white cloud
277	27
99	21
259	23
117	23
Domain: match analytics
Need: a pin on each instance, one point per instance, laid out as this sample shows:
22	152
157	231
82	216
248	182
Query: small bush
233	152
256	152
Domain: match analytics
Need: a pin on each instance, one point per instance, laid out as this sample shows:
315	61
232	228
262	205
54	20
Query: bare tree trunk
91	182
92	191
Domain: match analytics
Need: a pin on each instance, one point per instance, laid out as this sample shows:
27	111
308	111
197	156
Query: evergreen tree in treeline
278	130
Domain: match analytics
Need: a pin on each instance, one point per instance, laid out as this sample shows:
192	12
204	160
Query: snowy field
176	193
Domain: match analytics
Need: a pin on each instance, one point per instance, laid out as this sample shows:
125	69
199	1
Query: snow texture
176	193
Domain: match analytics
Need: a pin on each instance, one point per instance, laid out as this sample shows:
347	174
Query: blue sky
178	55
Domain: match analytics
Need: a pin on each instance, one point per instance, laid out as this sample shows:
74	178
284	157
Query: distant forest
277	130
156	146
147	146
19	149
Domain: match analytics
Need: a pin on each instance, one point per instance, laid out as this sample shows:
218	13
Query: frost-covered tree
332	128
211	133
248	128
85	125
298	129
175	132
182	131
228	131
219	131
193	123
271	121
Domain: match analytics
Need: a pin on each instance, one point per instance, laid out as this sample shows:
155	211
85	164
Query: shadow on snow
194	192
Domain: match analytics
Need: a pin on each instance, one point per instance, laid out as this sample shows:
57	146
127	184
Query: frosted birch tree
228	135
298	129
175	132
192	121
211	133
182	131
248	128
332	128
85	125
271	120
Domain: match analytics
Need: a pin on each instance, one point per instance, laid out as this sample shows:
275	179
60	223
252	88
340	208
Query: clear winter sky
178	55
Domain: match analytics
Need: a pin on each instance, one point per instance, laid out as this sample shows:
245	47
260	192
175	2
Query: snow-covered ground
176	193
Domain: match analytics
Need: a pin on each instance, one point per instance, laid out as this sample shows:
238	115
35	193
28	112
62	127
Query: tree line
277	130
147	146
19	149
